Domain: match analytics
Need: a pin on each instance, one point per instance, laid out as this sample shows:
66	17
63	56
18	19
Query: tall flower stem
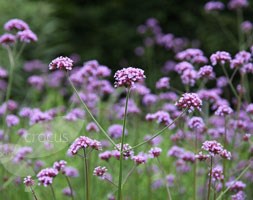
164	175
89	112
210	178
34	195
161	131
70	187
225	146
195	166
121	148
86	166
53	193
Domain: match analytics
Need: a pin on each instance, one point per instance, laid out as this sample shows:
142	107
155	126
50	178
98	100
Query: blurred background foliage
106	29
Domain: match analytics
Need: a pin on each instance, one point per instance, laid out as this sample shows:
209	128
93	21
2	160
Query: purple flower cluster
83	142
220	57
99	171
189	101
214	6
127	77
61	62
46	176
215	148
28	181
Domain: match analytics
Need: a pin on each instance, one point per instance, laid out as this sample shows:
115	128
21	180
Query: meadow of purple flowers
76	135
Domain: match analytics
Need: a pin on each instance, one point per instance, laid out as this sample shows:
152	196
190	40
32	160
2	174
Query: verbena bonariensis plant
207	154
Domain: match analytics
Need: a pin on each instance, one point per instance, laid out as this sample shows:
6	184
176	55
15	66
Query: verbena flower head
223	110
214	6
190	101
7	39
28	181
200	156
236	185
84	142
105	155
70	172
127	77
239	196
163	83
246	26
45	176
217	173
116	130
60	165
27	36
67	191
99	171
61	62
220	57
12	120
206	72
141	158
16	24
127	151
155	152
196	123
21	153
215	148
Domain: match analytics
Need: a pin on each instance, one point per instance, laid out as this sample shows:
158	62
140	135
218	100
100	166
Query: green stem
129	174
86	176
225	147
160	132
52	190
121	148
164	175
34	195
70	187
91	115
229	82
210	178
195	167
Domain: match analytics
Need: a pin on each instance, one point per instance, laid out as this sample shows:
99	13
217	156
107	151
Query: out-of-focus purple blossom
224	110
163	83
75	114
168	66
127	77
3	73
139	51
247	68
16	24
28	181
249	108
175	151
116	130
60	165
70	171
181	166
21	153
148	41
46	176
68	192
236	186
37	116
155	141
188	156
189	77
92	127
220	57
3	85
169	96
22	132
61	63
34	65
27	36
36	81
200	156
206	72
120	108
196	123
190	101
239	196
141	158
183	66
161	117
214	6
83	142
170	180
141	89
192	55
7	39
222	81
237	4
12	120
149	99
155	152
246	26
105	155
